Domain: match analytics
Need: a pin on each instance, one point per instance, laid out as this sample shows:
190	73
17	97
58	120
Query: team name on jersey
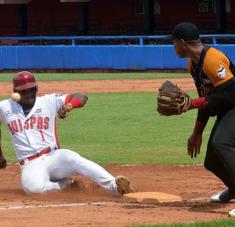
34	122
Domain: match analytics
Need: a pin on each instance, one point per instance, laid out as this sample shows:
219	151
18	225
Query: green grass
94	76
125	129
221	223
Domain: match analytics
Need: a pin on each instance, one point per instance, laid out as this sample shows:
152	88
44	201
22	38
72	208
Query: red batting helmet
24	80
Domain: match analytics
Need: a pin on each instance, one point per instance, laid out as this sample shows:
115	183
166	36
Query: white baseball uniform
44	166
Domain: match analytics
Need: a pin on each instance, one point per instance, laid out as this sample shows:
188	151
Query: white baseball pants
52	171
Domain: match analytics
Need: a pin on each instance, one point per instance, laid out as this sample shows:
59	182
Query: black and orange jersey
213	70
214	79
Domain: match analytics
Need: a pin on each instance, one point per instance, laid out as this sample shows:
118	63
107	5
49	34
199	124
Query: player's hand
64	110
194	144
3	162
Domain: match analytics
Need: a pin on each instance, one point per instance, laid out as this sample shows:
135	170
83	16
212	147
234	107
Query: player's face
179	48
28	96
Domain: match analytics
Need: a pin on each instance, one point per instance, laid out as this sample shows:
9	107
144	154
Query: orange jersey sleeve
216	67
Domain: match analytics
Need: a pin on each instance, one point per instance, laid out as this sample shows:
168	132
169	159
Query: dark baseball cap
186	31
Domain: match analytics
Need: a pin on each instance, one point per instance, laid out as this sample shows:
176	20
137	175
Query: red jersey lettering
46	122
39	123
32	122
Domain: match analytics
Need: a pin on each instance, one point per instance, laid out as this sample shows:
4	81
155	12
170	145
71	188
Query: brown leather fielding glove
171	100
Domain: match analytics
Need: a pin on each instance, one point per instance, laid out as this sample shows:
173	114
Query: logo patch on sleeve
221	72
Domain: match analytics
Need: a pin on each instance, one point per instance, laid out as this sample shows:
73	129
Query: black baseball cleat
223	197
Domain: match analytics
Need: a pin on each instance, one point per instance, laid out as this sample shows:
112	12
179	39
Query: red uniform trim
30	158
76	102
199	103
55	133
67	99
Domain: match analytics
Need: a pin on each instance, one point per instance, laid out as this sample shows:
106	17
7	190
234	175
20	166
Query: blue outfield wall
123	57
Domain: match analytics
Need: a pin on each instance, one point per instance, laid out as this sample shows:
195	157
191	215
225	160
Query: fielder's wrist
199	103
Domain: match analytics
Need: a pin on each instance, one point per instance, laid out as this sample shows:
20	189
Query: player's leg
35	177
223	144
213	163
65	163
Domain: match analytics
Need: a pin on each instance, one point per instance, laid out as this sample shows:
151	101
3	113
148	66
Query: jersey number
42	135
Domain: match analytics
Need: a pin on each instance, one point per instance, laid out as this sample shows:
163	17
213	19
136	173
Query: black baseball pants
220	155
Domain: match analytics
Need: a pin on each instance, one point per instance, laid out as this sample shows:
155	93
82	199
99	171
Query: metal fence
110	40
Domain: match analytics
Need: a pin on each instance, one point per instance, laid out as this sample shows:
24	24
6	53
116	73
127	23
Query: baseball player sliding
31	121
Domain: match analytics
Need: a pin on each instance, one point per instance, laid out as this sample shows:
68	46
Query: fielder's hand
3	162
194	144
64	110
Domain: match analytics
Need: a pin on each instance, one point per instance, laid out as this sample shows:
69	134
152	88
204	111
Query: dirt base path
89	205
98	86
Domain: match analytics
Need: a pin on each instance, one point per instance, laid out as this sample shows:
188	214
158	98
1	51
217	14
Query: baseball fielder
213	74
31	121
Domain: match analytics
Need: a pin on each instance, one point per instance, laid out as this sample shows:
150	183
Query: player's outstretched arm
3	162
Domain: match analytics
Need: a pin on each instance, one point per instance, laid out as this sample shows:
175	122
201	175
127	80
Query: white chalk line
36	206
33	206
